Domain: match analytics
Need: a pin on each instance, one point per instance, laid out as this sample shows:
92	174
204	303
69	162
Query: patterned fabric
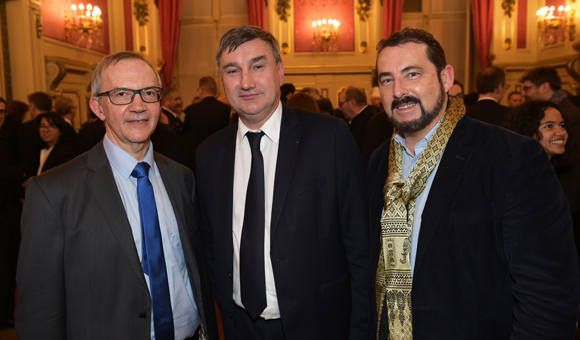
394	279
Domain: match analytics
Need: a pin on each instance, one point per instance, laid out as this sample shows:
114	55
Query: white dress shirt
44	153
243	161
185	314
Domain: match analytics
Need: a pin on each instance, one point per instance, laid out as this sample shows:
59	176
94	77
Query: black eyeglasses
126	96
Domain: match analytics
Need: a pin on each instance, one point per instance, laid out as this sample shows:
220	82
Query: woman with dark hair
542	121
58	149
303	101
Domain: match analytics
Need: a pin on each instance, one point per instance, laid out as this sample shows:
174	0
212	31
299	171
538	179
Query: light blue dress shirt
185	314
408	162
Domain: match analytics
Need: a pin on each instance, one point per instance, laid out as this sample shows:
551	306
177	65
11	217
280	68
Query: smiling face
413	92
49	133
552	132
252	81
128	126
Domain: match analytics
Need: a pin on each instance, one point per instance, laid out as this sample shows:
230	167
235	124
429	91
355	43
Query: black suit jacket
60	154
175	124
319	232
205	118
79	273
29	144
488	111
359	124
90	134
495	257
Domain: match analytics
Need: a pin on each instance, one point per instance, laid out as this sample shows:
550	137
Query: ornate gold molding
283	9
141	11
363	7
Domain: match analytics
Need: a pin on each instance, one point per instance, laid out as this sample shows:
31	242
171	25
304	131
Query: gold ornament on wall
363	7
508	7
283	10
141	11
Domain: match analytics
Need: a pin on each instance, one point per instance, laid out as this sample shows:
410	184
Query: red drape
483	29
392	14
128	25
170	21
257	13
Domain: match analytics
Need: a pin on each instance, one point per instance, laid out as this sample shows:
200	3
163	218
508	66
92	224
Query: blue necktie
252	269
153	261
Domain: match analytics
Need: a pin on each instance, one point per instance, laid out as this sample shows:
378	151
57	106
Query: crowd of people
412	214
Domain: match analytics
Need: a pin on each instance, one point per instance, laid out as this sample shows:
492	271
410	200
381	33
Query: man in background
491	86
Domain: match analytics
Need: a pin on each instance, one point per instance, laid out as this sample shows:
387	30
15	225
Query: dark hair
359	95
325	106
512	93
489	79
208	84
525	119
435	52
56	120
304	101
2	101
286	89
541	75
17	108
169	91
41	100
239	35
455	82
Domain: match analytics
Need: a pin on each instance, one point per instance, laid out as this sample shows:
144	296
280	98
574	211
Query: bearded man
471	236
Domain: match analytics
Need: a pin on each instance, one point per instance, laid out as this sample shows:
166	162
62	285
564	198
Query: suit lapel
103	188
451	168
287	151
224	175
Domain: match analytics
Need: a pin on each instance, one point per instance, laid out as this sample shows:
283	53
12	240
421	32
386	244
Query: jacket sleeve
40	313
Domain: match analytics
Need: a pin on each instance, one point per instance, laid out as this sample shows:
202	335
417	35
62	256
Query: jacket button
142	315
230	315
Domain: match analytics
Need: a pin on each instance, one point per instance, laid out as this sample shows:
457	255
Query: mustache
405	100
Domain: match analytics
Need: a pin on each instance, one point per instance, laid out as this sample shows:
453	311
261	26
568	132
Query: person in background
303	101
543	121
17	108
325	106
58	149
286	92
456	92
515	98
491	86
376	100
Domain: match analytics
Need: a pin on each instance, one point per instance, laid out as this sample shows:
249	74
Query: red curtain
170	21
128	25
483	29
392	14
257	13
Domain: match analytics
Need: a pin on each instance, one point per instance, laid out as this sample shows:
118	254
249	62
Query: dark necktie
153	260
252	270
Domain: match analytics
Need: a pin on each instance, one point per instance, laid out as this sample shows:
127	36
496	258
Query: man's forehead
415	51
249	50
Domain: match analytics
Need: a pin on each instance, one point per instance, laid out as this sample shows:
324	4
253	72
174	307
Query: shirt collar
123	162
271	127
421	144
486	98
168	110
361	110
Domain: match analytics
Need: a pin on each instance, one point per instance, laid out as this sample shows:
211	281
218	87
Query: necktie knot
140	170
254	138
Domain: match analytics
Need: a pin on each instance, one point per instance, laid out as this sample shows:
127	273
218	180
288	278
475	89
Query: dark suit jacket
495	257
79	274
205	118
175	124
378	130
62	153
90	134
358	125
29	144
319	232
488	111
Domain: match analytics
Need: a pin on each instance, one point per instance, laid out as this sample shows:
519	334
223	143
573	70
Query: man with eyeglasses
491	86
544	83
111	245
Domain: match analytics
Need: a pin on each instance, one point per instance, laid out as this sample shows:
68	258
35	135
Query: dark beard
426	117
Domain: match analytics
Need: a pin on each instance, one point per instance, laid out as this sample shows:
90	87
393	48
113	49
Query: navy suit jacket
495	257
319	231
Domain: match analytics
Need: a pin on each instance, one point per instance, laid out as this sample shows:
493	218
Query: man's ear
545	87
447	77
96	107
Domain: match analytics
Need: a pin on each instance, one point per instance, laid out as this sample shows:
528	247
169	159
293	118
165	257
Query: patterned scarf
394	279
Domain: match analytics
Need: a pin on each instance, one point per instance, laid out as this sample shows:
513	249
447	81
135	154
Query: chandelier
325	35
552	24
85	26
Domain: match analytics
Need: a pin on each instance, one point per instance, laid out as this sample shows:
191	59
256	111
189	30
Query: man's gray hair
112	59
239	35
